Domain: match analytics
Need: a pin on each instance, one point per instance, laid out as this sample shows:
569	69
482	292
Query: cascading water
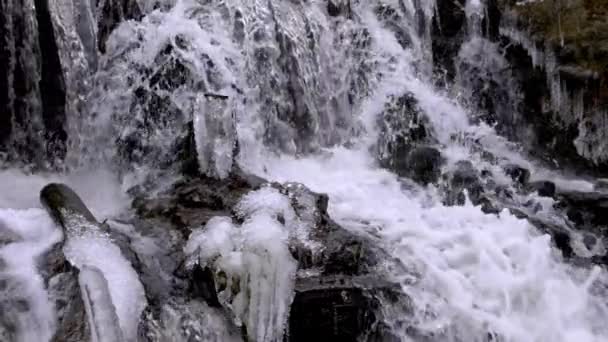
292	94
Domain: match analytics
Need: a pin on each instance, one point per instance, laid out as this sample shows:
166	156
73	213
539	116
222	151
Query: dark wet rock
338	7
150	111
601	184
61	280
448	34
191	202
329	277
113	13
588	208
395	22
518	174
559	234
61	201
403	129
544	188
64	291
422	164
489	207
32	87
337	314
463	178
343	252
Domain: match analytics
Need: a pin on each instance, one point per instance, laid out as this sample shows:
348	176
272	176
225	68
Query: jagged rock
338	7
73	325
464	177
402	130
423	165
559	234
395	21
448	34
329	272
588	208
191	202
32	91
518	174
61	279
342	253
112	13
544	188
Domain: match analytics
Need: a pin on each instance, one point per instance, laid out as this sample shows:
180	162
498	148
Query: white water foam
479	274
471	275
21	212
35	233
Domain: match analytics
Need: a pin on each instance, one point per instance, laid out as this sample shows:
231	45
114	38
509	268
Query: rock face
32	92
334	288
540	74
566	48
48	52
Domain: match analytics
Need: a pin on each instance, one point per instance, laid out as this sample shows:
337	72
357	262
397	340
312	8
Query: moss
578	27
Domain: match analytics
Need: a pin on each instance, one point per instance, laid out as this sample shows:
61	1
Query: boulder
335	266
404	143
463	177
584	208
543	188
423	165
518	174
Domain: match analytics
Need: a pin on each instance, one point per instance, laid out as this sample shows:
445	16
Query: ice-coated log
89	245
101	312
61	201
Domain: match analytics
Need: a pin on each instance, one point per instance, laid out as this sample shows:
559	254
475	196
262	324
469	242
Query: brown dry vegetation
577	28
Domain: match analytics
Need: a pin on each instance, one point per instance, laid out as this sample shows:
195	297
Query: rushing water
471	276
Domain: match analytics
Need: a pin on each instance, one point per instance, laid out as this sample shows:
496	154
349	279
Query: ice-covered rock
254	270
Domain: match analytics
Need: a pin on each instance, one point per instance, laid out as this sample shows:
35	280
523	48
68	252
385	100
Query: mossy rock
578	29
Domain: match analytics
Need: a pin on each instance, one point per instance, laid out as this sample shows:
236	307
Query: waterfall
288	91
